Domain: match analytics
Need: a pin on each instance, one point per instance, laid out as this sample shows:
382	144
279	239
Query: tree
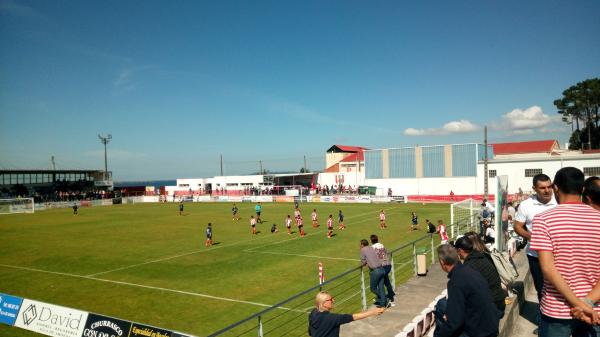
303	170
580	103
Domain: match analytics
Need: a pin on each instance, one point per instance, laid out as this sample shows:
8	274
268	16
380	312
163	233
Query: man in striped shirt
567	239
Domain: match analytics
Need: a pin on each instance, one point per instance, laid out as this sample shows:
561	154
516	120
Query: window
591	171
232	184
184	185
532	172
492	173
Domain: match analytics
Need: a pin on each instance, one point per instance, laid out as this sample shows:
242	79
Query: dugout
306	180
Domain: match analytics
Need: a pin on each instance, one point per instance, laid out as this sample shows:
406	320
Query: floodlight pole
105	140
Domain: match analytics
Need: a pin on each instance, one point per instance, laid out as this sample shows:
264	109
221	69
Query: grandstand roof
346	148
536	146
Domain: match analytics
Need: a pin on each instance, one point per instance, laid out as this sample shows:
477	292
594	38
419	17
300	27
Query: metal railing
351	289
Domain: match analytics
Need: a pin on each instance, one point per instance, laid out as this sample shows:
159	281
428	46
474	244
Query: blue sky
178	83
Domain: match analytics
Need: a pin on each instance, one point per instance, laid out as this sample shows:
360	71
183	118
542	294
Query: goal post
18	205
463	217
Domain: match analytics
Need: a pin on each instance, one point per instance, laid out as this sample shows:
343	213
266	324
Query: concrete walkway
411	298
416	294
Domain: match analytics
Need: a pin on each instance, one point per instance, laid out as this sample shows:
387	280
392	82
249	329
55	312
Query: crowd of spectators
57	192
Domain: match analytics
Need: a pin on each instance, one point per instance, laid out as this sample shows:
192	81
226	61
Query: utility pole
485	163
260	165
305	171
221	165
53	163
105	140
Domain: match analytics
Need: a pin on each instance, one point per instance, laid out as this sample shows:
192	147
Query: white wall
515	170
354	179
426	186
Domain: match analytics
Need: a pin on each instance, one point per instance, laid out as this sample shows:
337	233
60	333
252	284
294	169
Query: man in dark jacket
484	265
470	310
323	323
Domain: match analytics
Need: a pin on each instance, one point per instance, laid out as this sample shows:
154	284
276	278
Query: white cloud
454	127
528	121
530	118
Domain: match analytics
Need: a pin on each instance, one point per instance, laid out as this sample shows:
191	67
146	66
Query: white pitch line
146	287
301	255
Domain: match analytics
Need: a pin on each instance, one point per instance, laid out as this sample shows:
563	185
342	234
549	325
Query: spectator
542	201
323	323
567	239
478	245
479	262
369	258
469	309
385	262
591	192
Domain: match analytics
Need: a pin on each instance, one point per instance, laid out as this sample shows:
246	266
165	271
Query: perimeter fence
350	289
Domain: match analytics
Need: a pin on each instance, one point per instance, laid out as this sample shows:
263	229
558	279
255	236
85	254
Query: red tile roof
353	157
536	146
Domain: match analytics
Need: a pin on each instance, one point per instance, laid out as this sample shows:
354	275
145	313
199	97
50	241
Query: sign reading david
103	326
9	308
51	320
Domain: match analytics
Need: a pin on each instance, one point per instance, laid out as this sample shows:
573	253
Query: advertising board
104	326
9	308
51	320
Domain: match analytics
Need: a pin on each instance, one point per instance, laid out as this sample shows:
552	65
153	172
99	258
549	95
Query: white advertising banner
51	320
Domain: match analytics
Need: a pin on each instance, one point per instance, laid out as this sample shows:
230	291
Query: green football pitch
146	263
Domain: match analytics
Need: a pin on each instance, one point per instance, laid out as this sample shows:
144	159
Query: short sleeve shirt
571	231
527	210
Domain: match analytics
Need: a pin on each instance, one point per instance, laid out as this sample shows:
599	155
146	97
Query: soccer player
300	224
234	212
181	207
341	220
330	226
415	221
274	229
209	234
258	210
75	207
288	224
382	220
253	224
313	216
442	230
297	212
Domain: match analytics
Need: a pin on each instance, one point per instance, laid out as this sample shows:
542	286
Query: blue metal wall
433	161
464	162
402	163
373	164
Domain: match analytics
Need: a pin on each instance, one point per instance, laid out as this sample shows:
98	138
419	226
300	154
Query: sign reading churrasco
9	308
51	320
103	326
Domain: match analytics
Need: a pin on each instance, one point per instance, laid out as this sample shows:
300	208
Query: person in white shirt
543	200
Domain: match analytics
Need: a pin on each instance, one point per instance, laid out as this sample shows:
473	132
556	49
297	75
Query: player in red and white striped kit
330	226
382	224
314	218
300	225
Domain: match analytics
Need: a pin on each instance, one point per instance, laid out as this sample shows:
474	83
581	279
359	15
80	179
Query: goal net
464	217
20	205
